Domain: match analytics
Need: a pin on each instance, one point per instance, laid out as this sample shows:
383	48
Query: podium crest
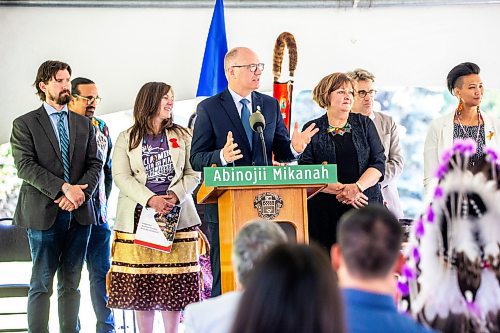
268	205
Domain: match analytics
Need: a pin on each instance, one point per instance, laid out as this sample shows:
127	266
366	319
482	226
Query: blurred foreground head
293	290
252	243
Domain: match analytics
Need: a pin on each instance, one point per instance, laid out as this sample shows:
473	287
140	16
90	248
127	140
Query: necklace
162	138
457	115
339	130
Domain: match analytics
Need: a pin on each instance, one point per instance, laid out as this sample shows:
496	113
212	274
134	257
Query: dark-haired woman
151	168
292	290
466	122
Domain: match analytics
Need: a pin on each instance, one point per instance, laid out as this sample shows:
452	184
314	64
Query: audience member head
253	241
243	69
334	91
84	97
154	104
53	82
293	289
364	92
368	248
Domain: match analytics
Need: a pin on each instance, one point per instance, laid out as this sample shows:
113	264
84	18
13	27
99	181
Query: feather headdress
453	258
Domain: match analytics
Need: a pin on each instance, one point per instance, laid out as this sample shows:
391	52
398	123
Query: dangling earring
460	107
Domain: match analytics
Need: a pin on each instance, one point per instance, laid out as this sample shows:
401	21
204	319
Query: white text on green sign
279	175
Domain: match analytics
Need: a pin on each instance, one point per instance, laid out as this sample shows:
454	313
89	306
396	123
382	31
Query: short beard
89	112
61	100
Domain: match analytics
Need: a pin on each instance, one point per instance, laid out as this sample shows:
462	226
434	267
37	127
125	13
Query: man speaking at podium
223	135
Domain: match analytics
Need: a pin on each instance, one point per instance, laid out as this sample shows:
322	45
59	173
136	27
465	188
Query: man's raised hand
300	140
229	152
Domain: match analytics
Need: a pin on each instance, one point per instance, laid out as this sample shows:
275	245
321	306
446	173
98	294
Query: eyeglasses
362	93
252	67
90	99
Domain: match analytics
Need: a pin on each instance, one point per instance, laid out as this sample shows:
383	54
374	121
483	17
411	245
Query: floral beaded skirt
145	279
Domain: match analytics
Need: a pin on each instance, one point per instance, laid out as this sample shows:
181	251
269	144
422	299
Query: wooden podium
242	204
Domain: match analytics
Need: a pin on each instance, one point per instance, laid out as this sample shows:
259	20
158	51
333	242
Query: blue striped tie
64	142
245	118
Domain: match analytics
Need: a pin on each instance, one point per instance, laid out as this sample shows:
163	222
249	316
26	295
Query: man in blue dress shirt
55	153
222	134
366	258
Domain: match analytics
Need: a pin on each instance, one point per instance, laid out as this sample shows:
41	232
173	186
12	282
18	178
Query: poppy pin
174	143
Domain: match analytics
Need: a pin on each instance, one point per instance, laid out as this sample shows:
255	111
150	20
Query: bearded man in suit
55	154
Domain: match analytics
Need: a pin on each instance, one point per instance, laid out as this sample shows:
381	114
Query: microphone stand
258	123
261	136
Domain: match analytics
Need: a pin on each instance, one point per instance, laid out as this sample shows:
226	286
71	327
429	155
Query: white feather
437	292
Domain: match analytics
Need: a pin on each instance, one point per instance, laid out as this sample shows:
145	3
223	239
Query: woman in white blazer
467	122
151	168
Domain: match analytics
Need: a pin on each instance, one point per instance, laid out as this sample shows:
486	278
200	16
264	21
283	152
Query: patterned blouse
471	133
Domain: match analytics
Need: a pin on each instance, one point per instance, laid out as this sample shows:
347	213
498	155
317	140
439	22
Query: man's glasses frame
363	93
251	67
89	99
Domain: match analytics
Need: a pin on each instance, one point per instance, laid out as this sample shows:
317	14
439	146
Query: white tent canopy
122	48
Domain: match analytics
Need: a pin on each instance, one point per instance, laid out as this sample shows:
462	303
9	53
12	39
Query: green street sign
270	175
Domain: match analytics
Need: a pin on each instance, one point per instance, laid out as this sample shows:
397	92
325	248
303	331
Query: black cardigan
365	138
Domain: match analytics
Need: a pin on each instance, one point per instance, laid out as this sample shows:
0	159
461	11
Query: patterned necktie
245	118
102	198
102	153
64	142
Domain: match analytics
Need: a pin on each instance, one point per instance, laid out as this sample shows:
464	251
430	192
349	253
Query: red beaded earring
460	107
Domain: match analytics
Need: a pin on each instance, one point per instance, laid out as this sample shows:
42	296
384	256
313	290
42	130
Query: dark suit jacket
217	115
38	160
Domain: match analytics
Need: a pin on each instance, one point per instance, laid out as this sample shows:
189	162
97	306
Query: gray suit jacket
38	160
388	133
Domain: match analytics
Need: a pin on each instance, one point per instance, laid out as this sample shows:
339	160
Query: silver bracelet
359	186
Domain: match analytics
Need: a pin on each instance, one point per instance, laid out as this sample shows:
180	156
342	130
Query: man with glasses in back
55	155
364	97
84	99
222	133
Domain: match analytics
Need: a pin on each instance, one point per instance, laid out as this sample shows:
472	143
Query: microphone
258	124
257	121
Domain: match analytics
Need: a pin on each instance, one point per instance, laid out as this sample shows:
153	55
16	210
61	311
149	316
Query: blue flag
212	77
